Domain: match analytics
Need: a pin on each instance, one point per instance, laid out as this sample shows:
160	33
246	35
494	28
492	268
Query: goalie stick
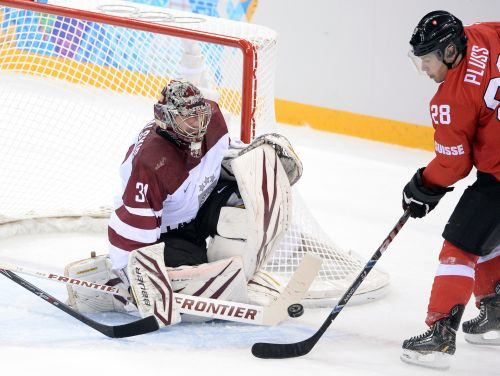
134	328
292	350
276	312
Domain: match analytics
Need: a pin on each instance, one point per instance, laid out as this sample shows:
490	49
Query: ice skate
435	347
485	328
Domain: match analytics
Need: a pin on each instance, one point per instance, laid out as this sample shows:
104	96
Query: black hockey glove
419	198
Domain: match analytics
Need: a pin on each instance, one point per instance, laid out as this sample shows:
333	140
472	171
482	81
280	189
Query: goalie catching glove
254	231
98	269
288	158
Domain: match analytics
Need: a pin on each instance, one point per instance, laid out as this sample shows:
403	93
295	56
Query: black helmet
435	31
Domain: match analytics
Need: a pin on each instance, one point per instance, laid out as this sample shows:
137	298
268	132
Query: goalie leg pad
223	279
262	287
95	269
151	285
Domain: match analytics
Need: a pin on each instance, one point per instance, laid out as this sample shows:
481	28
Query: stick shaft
141	326
290	350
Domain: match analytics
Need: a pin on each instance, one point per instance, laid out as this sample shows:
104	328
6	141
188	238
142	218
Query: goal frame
249	80
304	235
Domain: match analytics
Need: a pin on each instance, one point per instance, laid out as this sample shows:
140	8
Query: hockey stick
276	312
134	328
292	350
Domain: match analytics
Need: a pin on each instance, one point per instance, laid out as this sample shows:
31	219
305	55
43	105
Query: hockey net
78	80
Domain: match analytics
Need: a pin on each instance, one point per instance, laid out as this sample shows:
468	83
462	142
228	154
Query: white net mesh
68	82
339	268
75	92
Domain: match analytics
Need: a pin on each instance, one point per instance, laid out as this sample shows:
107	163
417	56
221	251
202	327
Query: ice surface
353	187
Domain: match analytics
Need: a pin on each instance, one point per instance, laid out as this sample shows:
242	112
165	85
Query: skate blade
432	359
491	338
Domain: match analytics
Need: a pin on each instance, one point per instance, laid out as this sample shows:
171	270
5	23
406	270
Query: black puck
295	310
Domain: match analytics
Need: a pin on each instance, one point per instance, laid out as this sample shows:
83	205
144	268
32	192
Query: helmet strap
169	136
450	65
457	54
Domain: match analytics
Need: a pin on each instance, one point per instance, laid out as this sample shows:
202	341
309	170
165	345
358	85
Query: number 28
441	114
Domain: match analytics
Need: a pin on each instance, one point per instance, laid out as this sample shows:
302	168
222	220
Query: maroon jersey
465	111
163	186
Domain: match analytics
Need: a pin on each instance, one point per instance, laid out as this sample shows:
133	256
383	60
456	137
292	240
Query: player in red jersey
465	114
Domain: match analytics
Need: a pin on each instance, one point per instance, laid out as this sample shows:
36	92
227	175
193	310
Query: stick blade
280	350
135	328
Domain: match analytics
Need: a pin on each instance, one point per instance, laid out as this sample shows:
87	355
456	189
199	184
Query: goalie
183	182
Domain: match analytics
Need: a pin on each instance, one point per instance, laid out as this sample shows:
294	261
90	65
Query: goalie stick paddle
292	350
271	314
134	328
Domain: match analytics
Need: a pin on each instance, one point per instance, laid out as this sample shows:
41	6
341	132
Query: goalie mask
182	112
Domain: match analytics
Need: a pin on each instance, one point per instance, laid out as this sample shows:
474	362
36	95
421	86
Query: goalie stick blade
134	328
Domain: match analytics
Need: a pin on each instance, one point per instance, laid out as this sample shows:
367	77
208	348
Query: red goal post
55	60
247	48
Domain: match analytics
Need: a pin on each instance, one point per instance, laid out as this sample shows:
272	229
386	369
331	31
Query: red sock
487	275
453	283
